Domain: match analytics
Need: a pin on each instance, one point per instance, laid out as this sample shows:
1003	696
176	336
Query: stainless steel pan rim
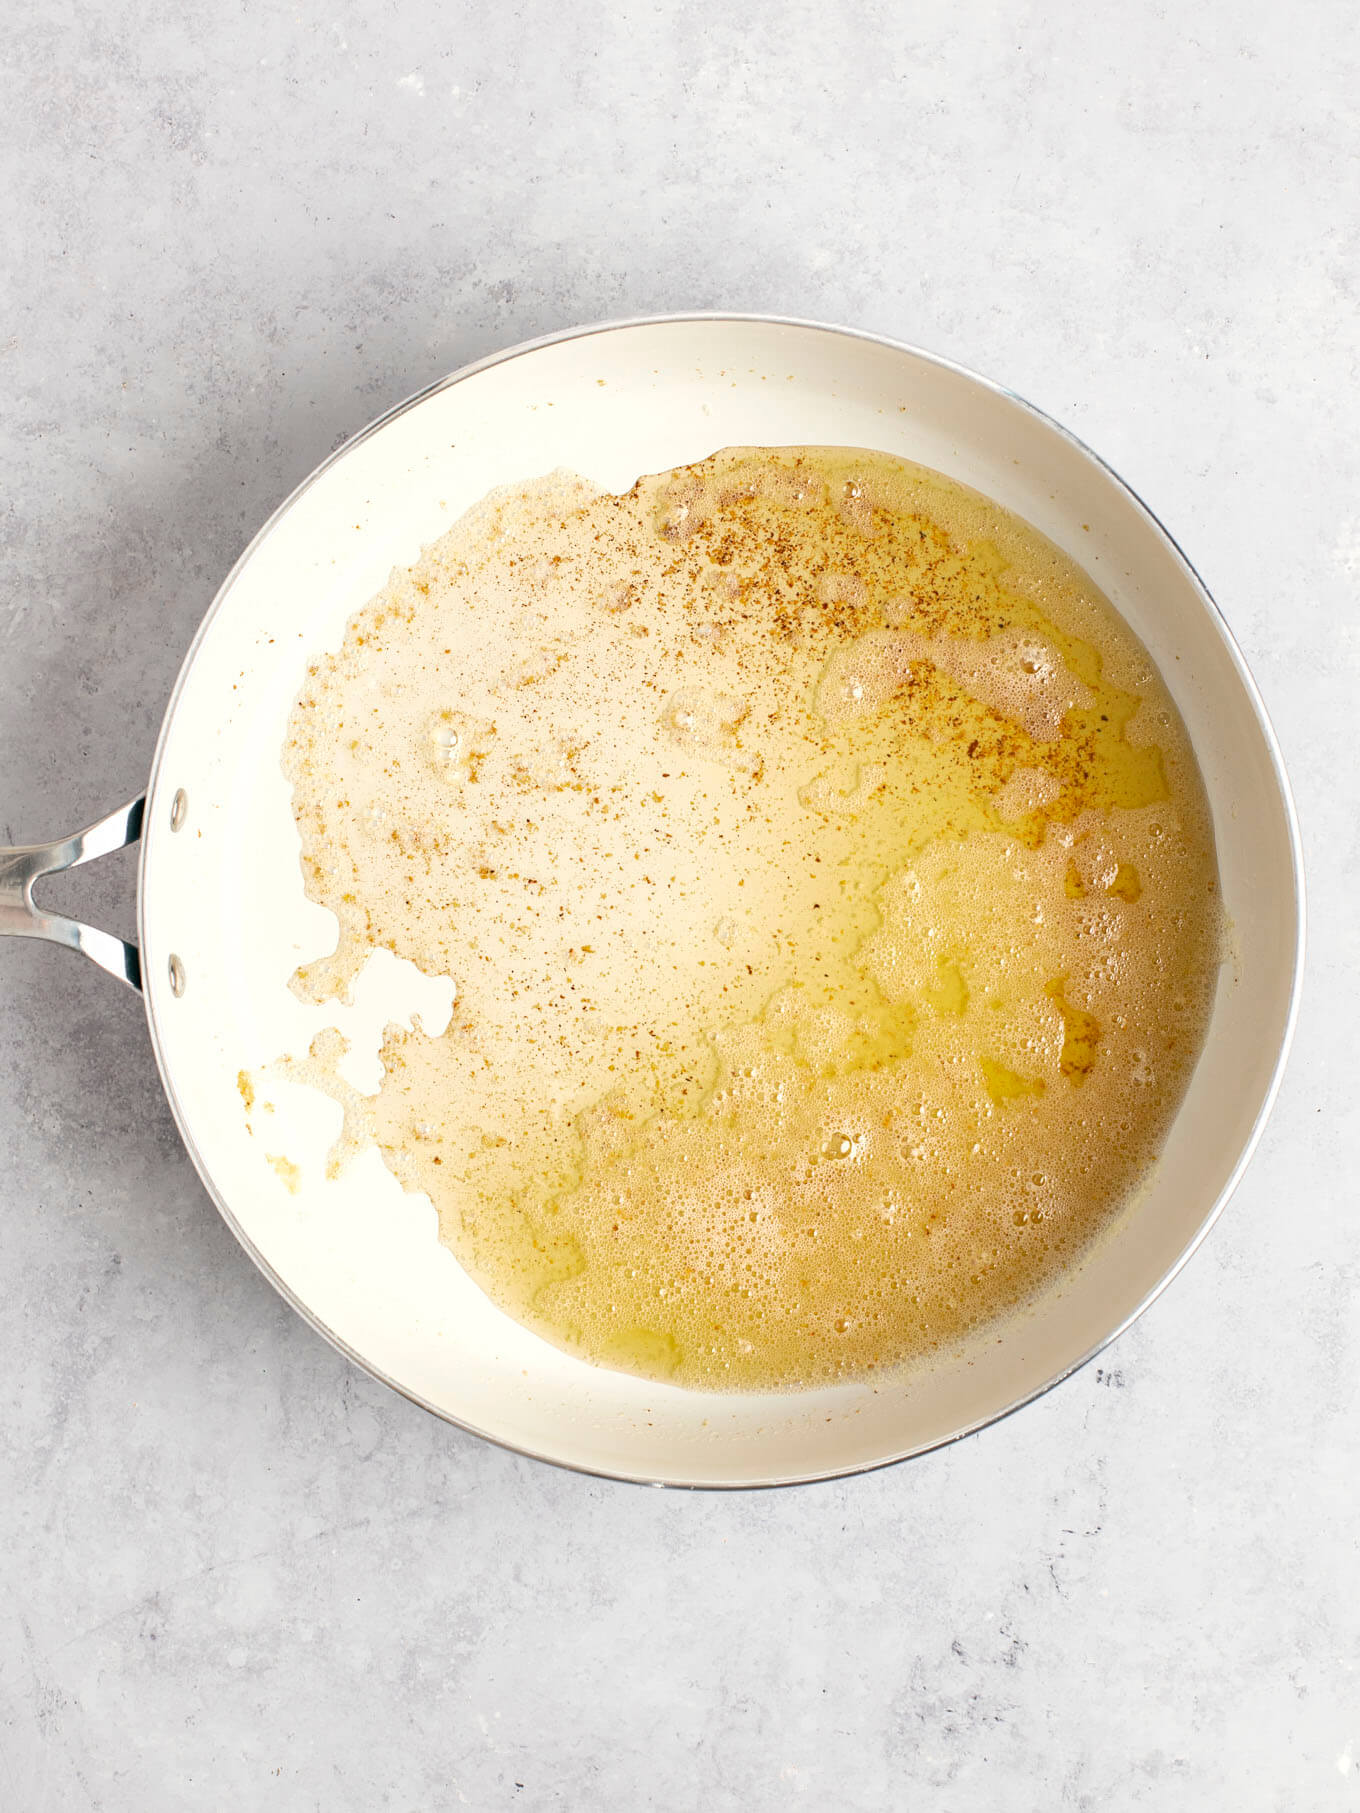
155	804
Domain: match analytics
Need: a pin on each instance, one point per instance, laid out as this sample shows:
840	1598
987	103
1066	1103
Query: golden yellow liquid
829	891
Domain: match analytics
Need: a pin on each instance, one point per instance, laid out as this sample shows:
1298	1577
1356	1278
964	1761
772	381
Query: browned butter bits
829	892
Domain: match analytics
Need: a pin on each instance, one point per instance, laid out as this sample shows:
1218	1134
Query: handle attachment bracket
21	917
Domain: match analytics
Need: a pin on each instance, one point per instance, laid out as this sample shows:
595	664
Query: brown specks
1081	1034
1126	884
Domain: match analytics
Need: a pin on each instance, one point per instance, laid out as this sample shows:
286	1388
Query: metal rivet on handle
176	976
179	809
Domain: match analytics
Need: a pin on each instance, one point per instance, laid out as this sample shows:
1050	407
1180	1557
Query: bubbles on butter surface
708	726
445	738
457	744
777	826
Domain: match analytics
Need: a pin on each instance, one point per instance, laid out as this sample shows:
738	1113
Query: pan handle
25	864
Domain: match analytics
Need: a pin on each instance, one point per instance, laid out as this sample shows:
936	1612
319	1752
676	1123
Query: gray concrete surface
234	1573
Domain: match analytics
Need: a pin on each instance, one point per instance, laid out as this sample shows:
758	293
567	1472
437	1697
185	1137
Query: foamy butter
829	891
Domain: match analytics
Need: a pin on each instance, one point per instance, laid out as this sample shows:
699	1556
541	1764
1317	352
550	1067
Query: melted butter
817	857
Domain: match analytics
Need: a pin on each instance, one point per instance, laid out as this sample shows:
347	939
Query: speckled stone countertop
234	1572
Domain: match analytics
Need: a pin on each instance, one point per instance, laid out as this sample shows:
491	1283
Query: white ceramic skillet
223	920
